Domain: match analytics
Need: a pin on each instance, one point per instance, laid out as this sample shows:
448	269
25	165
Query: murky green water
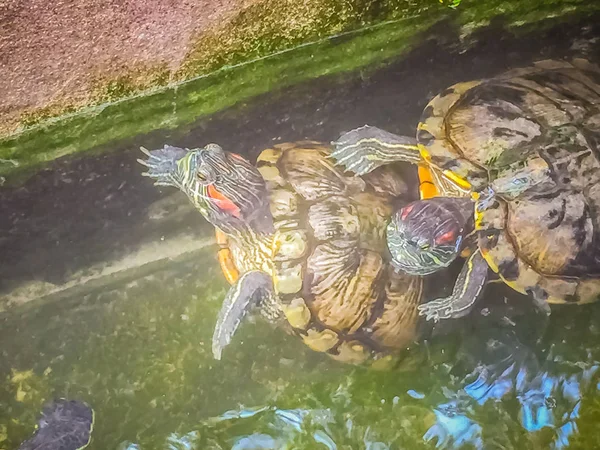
140	354
139	351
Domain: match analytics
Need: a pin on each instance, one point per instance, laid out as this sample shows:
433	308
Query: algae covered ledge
268	45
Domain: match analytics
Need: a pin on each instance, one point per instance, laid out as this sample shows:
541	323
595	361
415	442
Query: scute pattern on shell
543	119
338	293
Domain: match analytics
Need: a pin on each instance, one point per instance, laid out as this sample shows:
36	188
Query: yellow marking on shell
288	281
542	254
435	124
270	155
320	341
290	244
490	261
283	203
271	174
491	218
479	221
285	146
460	182
527	277
440	107
427	187
351	352
297	313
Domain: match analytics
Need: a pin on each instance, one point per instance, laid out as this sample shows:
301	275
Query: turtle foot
364	149
249	291
162	164
353	153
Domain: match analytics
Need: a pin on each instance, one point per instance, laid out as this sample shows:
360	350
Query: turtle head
225	187
426	236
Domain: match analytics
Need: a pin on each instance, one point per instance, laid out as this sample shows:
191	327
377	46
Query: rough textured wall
51	51
62	55
85	56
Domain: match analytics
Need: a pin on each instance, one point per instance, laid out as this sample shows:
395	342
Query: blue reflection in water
549	396
285	425
256	441
185	442
453	427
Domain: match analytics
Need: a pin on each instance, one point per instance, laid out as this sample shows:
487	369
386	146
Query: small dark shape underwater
64	425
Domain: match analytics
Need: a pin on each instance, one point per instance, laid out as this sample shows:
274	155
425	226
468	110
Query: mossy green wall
270	44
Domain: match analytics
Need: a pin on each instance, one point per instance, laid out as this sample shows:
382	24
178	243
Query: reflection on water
549	394
139	354
546	395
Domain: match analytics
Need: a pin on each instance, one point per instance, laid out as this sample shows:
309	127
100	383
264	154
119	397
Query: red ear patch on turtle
446	238
406	211
222	201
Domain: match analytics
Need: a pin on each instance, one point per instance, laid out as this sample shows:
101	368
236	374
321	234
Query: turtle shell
331	271
544	119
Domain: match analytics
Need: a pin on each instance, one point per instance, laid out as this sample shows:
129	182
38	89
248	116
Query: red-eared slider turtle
526	146
64	425
308	243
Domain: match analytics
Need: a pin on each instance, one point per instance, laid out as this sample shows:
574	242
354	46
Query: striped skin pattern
426	236
331	273
310	235
531	138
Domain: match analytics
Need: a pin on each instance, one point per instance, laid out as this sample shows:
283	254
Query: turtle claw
162	164
143	163
436	310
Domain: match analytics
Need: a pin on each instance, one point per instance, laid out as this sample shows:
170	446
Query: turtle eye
424	246
201	176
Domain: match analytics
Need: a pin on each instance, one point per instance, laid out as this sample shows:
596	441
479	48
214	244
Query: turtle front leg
253	289
467	290
364	149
